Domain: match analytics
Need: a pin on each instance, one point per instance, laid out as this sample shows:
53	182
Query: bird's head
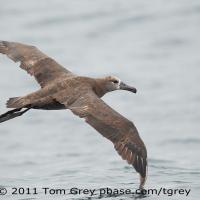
114	83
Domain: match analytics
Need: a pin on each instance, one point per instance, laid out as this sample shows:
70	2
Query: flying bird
62	89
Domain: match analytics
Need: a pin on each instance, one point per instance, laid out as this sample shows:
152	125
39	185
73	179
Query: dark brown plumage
61	89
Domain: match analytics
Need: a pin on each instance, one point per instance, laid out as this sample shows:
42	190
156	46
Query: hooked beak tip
134	90
123	86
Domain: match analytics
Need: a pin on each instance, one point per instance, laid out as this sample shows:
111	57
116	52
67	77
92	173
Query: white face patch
118	85
113	83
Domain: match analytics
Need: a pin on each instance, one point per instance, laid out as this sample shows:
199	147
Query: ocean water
152	45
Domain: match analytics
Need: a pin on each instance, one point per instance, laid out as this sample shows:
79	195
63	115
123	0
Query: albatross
62	89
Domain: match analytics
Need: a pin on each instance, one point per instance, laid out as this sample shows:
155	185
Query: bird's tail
12	114
14	102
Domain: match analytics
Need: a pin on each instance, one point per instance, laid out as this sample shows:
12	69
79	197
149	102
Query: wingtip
142	182
143	179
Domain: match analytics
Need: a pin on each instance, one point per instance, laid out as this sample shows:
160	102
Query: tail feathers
15	102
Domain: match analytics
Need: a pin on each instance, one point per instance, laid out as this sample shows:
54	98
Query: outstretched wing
36	63
114	127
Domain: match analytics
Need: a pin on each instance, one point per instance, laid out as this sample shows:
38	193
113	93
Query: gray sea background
152	45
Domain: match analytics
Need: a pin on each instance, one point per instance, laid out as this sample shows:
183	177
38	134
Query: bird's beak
123	86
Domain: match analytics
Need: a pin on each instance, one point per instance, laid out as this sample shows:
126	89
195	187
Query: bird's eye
115	81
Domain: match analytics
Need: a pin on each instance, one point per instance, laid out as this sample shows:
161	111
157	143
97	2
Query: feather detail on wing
36	63
114	127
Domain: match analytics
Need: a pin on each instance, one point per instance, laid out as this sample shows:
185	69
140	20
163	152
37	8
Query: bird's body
61	89
73	86
45	98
